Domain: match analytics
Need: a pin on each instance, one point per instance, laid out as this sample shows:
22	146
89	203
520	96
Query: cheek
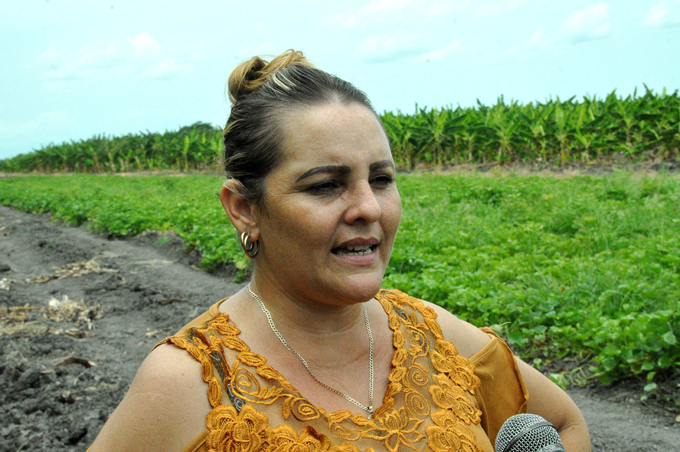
303	227
392	213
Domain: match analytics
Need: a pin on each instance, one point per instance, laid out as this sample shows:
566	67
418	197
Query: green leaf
560	380
670	338
648	365
609	364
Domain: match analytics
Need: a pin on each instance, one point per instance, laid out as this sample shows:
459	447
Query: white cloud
378	9
663	15
382	49
540	39
447	7
588	24
44	121
501	6
434	55
265	49
374	10
145	44
17	128
166	69
140	56
388	11
62	65
584	25
385	6
539	42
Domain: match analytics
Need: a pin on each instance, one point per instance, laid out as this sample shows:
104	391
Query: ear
241	212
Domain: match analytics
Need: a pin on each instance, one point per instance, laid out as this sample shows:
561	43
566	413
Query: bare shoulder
172	371
164	409
467	338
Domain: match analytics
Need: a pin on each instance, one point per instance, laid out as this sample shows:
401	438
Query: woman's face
331	209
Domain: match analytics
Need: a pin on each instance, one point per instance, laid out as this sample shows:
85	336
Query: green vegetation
592	131
583	268
125	206
555	132
195	147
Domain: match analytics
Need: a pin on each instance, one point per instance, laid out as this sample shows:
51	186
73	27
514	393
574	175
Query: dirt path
133	294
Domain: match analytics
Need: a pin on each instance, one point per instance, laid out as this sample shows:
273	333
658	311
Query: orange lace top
436	399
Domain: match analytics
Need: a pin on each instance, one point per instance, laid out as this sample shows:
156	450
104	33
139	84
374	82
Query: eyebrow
344	169
380	165
331	169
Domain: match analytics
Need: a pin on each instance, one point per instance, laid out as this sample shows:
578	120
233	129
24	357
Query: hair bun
250	75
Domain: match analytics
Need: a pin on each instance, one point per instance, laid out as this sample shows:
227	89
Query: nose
362	204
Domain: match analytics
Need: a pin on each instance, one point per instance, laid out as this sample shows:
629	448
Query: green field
585	269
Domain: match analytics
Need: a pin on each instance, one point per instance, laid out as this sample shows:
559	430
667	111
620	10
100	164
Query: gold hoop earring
251	248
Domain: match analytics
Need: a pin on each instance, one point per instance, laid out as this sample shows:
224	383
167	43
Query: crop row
583	268
634	128
558	132
193	147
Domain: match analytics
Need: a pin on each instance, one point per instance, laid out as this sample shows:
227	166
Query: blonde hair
250	75
262	93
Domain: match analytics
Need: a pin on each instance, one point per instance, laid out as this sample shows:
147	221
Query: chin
361	288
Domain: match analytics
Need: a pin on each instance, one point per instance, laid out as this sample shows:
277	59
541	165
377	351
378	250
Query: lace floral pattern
428	404
236	432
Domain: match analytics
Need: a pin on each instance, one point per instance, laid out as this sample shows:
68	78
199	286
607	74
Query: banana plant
402	132
563	116
438	132
503	121
533	133
636	126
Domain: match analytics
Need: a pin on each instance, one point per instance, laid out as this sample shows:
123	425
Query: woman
312	355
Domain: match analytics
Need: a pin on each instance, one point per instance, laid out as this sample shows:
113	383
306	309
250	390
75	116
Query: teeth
359	248
354	250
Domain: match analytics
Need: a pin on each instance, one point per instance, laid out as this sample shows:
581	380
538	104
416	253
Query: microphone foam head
528	432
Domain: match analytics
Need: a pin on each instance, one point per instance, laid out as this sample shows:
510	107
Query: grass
581	268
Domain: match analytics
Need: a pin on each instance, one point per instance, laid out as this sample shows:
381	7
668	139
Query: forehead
347	134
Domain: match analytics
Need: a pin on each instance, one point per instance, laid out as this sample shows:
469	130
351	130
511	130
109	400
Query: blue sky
73	69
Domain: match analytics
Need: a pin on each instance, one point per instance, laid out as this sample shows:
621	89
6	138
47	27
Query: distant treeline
631	129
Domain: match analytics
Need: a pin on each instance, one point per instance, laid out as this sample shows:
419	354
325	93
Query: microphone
528	433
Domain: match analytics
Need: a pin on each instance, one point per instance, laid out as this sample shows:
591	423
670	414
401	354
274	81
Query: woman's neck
295	315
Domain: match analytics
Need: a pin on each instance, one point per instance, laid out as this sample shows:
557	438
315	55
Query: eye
382	181
323	188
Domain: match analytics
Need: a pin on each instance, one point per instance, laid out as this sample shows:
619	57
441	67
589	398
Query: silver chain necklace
347	397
